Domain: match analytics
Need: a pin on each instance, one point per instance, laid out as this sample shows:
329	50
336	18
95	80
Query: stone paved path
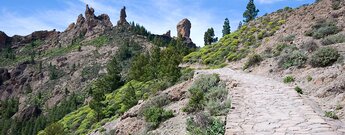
268	107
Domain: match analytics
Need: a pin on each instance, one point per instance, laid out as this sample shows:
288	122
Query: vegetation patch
252	60
298	90
323	28
331	114
324	57
296	58
333	39
204	124
157	115
289	79
91	72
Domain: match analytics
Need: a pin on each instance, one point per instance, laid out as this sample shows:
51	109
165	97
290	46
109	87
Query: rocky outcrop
183	31
3	39
28	113
183	28
123	16
88	26
4	75
168	34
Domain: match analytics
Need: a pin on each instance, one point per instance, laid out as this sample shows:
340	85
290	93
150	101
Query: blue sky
22	17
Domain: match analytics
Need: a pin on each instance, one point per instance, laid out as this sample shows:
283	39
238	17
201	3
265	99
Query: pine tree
98	95
209	36
239	25
226	27
251	11
112	80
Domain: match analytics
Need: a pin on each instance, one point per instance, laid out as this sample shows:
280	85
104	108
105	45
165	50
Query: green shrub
196	101
298	90
296	58
289	38
53	129
309	46
252	60
331	114
206	82
279	48
309	78
333	39
204	124
324	57
156	115
336	4
186	74
91	72
289	79
323	28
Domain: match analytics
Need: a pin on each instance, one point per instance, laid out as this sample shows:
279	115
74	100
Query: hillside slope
308	47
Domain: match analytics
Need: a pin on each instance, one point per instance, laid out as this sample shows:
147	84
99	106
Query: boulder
183	28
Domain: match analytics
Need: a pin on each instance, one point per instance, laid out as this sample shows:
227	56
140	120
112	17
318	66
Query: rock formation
3	39
88	26
123	16
168	33
183	28
183	31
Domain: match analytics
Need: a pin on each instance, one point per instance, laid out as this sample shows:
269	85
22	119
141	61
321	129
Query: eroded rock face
183	28
3	39
29	112
123	16
168	34
88	26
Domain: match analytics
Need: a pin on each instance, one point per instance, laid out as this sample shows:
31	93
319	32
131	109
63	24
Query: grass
288	79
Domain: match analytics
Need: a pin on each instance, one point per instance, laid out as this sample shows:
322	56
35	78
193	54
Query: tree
98	95
251	11
239	25
112	79
226	27
209	36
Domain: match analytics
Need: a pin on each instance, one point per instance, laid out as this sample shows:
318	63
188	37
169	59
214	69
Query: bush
309	46
289	38
331	114
323	28
196	101
206	82
53	129
217	102
296	58
204	124
186	74
252	60
336	4
298	90
288	79
309	78
156	115
279	48
333	39
324	57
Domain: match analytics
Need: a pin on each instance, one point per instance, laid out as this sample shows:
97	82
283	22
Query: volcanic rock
183	28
